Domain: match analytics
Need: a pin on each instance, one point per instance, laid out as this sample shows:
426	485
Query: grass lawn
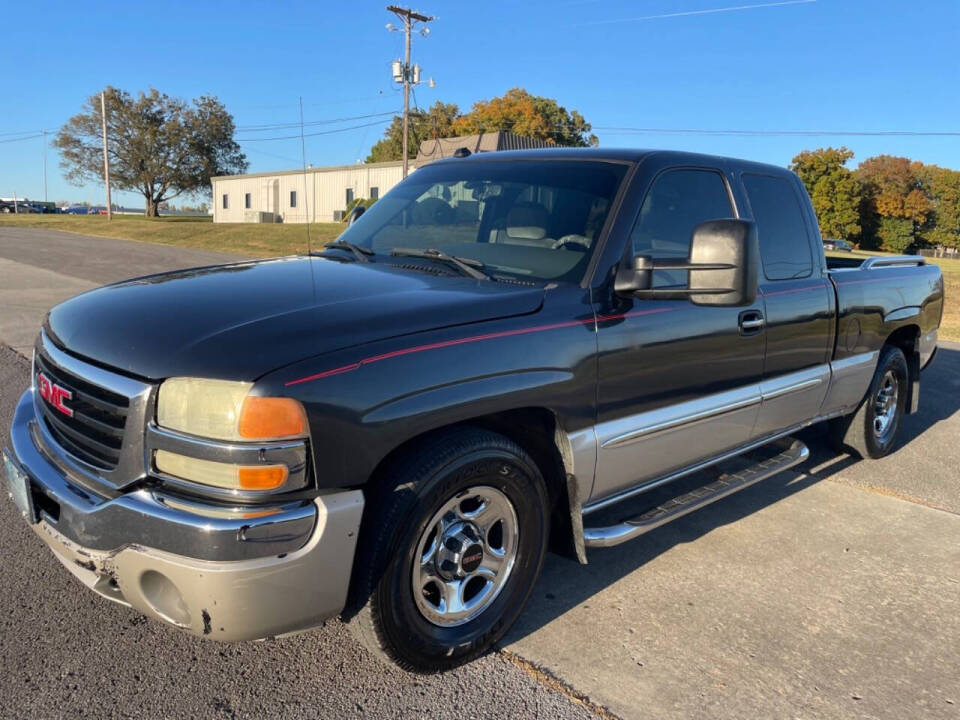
278	239
196	232
950	327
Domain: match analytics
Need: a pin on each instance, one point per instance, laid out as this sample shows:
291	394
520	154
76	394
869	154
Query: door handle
751	322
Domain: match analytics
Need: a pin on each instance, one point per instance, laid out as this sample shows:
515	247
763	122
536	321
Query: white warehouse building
290	195
324	193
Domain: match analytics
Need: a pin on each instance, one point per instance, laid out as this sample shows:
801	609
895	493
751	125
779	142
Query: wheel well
535	429
907	339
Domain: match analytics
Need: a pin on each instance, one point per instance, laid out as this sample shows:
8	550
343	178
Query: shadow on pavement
565	584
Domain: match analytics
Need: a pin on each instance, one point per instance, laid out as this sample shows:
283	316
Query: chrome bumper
232	578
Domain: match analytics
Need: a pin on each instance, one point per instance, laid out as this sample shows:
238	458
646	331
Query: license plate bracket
18	488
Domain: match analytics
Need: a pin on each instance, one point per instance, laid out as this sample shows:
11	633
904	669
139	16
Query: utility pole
106	160
43	134
410	75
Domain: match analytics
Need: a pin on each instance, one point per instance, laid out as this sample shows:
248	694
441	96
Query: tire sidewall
424	643
893	359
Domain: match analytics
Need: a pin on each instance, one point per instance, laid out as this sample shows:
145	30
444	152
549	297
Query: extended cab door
798	301
678	383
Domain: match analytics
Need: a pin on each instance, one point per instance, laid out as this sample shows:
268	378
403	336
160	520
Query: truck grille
95	430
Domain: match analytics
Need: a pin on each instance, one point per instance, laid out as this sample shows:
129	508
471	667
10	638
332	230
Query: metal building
289	195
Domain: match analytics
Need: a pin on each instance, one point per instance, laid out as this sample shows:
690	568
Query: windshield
533	220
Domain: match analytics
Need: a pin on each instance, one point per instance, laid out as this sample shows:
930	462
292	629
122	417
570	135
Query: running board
793	452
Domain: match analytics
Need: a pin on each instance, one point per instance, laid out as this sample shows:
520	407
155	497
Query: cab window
678	201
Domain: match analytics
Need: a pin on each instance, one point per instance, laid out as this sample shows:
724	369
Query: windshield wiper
467	266
359	252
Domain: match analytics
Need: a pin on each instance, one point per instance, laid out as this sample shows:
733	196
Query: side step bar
793	452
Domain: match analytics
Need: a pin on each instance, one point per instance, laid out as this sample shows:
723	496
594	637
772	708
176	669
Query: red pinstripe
472	339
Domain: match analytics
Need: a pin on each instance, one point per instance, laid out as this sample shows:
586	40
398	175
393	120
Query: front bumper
238	575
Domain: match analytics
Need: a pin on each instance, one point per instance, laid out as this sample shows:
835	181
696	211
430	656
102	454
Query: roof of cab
631	155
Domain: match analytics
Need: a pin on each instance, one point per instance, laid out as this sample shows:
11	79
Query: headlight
224	410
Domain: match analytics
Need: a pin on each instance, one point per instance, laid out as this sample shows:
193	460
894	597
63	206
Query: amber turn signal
262	478
268	418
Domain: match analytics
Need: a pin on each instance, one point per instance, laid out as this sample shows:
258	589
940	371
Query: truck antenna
306	195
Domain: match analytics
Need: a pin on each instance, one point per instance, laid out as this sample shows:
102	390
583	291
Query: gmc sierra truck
396	428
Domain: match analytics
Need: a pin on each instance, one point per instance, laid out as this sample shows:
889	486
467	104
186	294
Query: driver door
678	383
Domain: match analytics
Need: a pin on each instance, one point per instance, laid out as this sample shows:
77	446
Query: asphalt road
829	592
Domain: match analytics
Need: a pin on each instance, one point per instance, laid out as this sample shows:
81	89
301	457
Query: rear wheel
872	431
450	552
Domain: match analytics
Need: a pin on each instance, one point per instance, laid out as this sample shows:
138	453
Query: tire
403	571
871	432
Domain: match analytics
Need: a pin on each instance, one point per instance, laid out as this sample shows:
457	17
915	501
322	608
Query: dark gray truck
396	428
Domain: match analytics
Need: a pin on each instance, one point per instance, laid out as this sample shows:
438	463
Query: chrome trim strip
789	389
854	361
703	464
698	413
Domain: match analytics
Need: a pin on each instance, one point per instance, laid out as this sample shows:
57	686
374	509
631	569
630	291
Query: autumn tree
159	146
424	124
894	195
833	189
528	115
517	111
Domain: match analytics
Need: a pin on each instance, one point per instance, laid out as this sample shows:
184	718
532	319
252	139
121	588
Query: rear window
784	245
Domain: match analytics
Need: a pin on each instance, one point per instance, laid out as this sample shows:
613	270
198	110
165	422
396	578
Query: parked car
6	207
837	245
396	428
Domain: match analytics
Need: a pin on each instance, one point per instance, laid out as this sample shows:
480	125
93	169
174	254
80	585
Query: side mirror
358	210
723	265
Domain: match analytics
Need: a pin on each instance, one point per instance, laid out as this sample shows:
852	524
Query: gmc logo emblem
54	394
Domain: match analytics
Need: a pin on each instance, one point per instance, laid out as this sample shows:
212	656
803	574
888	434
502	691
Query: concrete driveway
830	592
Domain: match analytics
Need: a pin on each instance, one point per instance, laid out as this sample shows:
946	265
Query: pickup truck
394	429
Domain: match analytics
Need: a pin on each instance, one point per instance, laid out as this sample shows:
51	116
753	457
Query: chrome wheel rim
465	556
885	406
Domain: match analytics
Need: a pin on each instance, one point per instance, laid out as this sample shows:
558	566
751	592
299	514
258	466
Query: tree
530	116
436	122
895	201
944	188
517	111
834	190
160	147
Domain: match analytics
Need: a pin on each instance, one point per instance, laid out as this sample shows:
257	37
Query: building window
349	196
293	198
226	202
374	193
246	201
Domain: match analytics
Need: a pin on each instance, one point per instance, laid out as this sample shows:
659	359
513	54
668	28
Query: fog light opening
164	598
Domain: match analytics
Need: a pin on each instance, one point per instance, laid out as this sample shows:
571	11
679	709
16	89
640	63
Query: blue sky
850	65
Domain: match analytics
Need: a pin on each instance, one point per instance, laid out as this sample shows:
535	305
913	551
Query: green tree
424	124
833	189
943	185
160	147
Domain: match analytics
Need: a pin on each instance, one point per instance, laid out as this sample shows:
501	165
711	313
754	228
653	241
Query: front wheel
450	551
872	431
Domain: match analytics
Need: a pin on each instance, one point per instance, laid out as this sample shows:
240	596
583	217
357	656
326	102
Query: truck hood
240	321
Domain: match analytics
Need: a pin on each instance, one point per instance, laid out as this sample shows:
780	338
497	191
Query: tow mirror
358	210
722	266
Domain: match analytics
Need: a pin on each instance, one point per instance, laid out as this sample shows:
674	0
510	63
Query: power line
324	132
284	126
29	137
